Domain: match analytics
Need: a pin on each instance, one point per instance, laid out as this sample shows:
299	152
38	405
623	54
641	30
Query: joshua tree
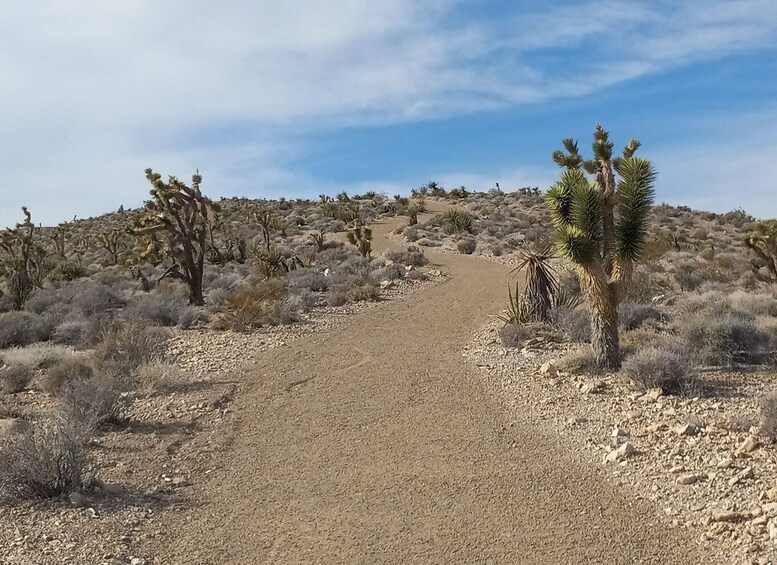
268	223
601	227
318	239
184	216
361	237
23	260
113	243
763	242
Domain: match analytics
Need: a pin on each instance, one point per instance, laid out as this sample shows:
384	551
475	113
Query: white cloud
93	91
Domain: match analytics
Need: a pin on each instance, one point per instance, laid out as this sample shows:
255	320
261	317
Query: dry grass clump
99	401
364	293
254	307
412	256
37	356
466	246
513	335
20	328
47	460
159	377
662	366
15	378
632	315
575	323
126	347
579	361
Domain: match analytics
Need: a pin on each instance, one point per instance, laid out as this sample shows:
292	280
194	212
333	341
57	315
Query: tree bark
604	335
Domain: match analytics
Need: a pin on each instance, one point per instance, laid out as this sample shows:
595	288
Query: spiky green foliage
516	311
763	243
269	262
361	237
456	220
541	283
180	218
602	227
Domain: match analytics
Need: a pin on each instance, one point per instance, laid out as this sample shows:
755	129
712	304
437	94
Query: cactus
763	243
601	227
184	217
361	237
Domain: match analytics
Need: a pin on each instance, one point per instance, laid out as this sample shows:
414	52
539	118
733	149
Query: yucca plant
602	228
763	243
541	282
269	262
361	237
516	312
456	221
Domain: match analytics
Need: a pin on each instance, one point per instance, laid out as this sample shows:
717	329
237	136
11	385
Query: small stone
623	452
772	528
78	500
689	478
746	473
728	517
771	494
749	444
688	429
724	463
577	420
592	387
549	368
113	488
653	394
386	284
138	561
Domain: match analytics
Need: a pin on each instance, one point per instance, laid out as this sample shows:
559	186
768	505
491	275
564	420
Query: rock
327	272
772	528
549	368
618	433
689	478
577	420
688	429
113	488
749	444
386	284
652	395
623	452
771	494
728	517
138	561
746	473
78	500
592	387
10	427
724	463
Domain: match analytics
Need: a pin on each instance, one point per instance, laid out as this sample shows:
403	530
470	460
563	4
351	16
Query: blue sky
300	97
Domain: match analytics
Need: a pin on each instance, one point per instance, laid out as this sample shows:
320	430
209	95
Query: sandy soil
376	443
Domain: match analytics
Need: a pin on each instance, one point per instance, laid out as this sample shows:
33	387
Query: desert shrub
391	272
687	276
20	328
721	335
99	401
70	332
254	307
632	315
769	415
412	257
579	361
95	298
513	335
411	233
575	323
466	246
160	377
497	250
364	293
65	372
156	310
666	367
754	304
47	460
37	356
306	279
15	378
127	346
336	298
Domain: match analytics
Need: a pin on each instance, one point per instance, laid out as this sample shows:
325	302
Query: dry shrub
66	372
575	323
37	356
125	347
47	460
632	315
254	307
513	335
100	401
721	335
666	367
364	293
160	377
15	378
336	298
23	328
466	246
579	361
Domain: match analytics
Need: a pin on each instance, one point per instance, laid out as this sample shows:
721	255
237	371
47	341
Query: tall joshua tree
184	217
763	242
601	226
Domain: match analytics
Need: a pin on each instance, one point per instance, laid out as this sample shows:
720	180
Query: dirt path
392	452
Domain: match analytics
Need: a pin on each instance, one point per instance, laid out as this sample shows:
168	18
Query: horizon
295	99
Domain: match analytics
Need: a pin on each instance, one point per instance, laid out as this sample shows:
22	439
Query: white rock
78	500
687	429
592	387
749	444
772	530
549	368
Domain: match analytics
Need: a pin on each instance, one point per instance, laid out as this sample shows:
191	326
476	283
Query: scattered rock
593	387
549	368
652	395
746	473
688	429
12	426
748	445
690	478
728	517
724	463
623	452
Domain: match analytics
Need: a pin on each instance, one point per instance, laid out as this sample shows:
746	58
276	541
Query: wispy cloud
93	92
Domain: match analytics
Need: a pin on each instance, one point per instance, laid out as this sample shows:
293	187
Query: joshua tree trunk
604	336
